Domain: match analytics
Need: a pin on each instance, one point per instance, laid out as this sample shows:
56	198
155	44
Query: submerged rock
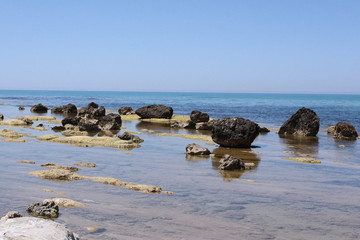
197	117
64	202
234	132
17	122
31	228
195	149
345	131
8	133
21	108
304	160
56	174
47	210
155	111
39	108
304	122
82	164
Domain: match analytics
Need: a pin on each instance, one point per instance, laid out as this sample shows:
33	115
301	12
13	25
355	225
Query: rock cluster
304	122
197	116
69	109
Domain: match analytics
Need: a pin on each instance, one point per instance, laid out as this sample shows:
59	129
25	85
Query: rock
71	120
234	132
100	112
56	174
111	121
58	109
55	166
228	162
126	111
263	130
304	160
187	125
21	108
58	128
345	131
304	122
37	118
204	126
47	210
155	111
8	133
130	137
197	116
91	112
39	108
69	109
17	122
89	125
195	149
11	215
92	105
82	164
64	202
175	124
1	117
30	228
330	129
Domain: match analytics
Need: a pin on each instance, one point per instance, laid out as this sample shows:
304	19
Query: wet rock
1	117
37	118
204	126
228	162
195	149
126	111
346	131
89	125
264	130
31	228
234	132
304	160
130	137
7	133
330	129
47	210
10	215
58	109
91	112
64	202
110	122
197	116
21	108
82	164
71	120
155	111
55	166
175	124
58	128
187	125
56	174
304	122
39	108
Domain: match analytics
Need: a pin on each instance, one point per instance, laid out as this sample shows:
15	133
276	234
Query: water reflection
300	145
196	158
108	133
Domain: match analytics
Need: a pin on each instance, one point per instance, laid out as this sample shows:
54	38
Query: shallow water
279	199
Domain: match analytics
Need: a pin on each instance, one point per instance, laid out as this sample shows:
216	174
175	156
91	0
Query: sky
252	46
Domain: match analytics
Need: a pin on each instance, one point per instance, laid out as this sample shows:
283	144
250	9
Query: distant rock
304	122
90	111
21	108
47	210
88	165
92	105
71	120
155	111
39	108
69	109
346	131
197	116
195	149
126	111
234	132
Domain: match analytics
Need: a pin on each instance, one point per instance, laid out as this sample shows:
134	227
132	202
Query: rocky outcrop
39	108
234	132
155	111
197	116
88	165
111	121
205	125
304	122
195	149
47	209
187	125
31	228
130	137
21	108
92	111
346	131
126	111
71	120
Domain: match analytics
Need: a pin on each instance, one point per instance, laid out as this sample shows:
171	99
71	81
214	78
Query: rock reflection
108	133
196	158
301	146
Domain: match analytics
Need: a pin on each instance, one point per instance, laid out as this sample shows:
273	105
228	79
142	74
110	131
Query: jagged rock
71	120
330	129
91	112
263	130
10	215
234	132
175	124
197	116
30	228
195	149
346	131
39	108
1	117
304	122
126	111
228	162
48	209
111	121
131	137
155	111
89	125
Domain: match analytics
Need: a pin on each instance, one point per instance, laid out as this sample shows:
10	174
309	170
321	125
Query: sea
279	198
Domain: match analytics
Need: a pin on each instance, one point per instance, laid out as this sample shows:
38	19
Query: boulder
89	125
175	124
234	132
58	109
91	112
30	228
187	125
69	109
126	111
304	122
1	117
71	120
47	210
346	131
228	162
39	108
195	149
111	121
197	116
92	105
130	137
58	128
155	111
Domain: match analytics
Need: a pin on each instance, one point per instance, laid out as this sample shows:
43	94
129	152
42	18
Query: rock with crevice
197	116
228	162
126	111
111	121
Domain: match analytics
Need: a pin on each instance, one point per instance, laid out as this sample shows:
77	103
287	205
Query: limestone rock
228	162
64	202
195	149
304	122
155	111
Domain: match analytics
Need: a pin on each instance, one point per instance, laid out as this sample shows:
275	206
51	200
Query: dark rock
69	109
91	112
48	210
175	124
40	125
204	125
58	128
1	117
126	111
155	111
28	121
39	108
71	120
130	137
92	105
304	122
58	109
234	132
187	125
111	121
346	131
99	112
263	130
89	125
195	149
21	108
228	162
197	116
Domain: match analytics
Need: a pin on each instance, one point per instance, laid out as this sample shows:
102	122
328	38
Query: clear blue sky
295	46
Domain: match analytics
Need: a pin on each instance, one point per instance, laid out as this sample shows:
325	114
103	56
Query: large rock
91	112
155	111
111	121
126	111
234	132
304	122
47	210
12	214
71	120
195	149
345	130
89	125
69	109
197	117
30	228
39	108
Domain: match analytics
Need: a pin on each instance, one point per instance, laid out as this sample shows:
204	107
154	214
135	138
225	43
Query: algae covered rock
304	122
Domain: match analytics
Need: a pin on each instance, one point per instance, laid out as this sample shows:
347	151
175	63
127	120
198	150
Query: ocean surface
278	199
